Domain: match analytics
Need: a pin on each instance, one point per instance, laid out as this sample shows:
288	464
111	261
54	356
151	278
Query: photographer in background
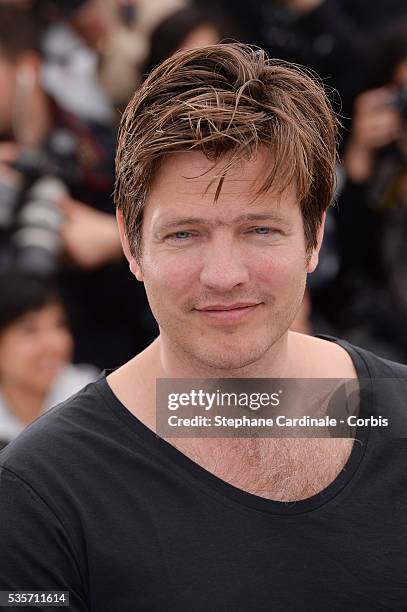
35	352
372	212
75	34
25	122
56	217
333	37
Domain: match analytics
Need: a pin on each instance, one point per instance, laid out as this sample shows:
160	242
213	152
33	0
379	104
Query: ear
133	263
313	261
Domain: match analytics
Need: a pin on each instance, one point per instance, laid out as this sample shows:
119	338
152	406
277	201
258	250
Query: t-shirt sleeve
36	552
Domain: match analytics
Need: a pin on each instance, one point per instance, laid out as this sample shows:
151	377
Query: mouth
49	366
228	313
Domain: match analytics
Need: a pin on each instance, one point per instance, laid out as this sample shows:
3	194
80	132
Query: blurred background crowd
69	307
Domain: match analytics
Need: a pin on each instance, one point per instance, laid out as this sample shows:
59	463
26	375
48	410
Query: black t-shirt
94	503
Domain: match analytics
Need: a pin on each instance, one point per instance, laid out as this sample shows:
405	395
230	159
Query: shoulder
376	366
322	358
58	439
67	455
327	356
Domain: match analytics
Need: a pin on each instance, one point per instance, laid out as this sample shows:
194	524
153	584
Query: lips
227	314
215	307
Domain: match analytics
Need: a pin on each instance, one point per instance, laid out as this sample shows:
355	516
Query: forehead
189	182
50	310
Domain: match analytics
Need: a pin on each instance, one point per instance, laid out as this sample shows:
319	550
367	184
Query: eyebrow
188	221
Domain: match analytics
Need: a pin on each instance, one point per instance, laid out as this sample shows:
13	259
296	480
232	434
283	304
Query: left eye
262	231
183	235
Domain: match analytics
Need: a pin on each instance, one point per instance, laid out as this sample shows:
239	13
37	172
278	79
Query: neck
171	362
25	403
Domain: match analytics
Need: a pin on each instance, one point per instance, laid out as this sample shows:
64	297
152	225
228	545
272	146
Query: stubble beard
216	353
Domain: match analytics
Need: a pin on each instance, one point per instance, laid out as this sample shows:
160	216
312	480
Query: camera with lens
30	220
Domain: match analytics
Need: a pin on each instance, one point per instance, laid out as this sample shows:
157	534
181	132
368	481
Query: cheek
282	269
64	344
173	274
17	357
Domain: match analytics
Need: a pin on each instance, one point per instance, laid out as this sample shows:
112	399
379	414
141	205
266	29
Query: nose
223	266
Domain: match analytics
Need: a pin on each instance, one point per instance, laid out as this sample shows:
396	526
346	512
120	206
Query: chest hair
280	469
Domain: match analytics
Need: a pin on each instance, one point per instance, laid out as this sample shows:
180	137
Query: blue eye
262	231
180	235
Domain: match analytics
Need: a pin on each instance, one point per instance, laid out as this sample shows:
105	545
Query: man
225	168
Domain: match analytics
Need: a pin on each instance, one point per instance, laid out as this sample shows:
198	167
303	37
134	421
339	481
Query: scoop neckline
163	449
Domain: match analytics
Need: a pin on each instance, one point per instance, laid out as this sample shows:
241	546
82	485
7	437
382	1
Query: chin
44	382
231	357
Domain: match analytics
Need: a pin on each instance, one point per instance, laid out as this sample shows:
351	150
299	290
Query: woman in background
188	28
35	351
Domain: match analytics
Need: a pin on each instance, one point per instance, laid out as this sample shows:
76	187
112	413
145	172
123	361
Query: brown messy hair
229	99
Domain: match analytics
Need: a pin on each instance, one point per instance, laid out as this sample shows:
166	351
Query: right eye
181	236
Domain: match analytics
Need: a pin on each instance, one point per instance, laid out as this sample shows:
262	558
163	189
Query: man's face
93	20
226	279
